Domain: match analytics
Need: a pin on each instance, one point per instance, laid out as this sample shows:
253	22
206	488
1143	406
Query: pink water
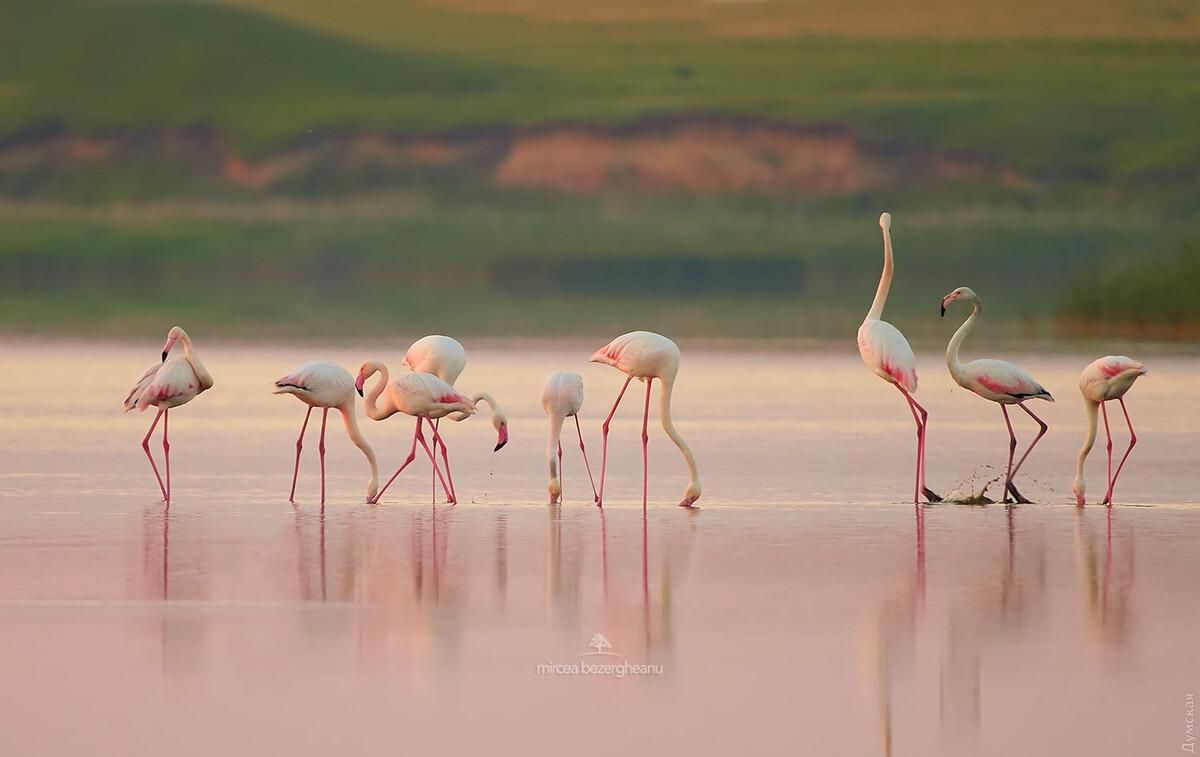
803	609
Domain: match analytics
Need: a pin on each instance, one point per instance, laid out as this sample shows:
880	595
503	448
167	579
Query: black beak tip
499	446
359	391
943	309
164	357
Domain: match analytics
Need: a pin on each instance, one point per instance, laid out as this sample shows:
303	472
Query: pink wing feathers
174	383
885	350
1000	377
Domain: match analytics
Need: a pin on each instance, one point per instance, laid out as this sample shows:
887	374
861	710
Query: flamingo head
885	221
555	489
174	335
691	495
367	370
501	425
1079	489
962	293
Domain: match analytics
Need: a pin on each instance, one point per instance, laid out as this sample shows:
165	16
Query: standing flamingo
562	397
1107	378
421	395
445	357
647	356
886	352
171	383
994	380
326	386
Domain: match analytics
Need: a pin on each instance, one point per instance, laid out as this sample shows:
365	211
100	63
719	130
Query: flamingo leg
1108	448
1042	427
299	446
412	455
433	476
1012	448
1132	442
560	472
912	407
578	430
604	441
437	471
321	450
645	445
445	458
922	435
167	452
146	449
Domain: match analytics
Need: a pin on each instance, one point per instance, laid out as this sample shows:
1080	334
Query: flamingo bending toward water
886	352
421	395
327	386
646	356
445	357
994	380
170	383
562	397
1107	378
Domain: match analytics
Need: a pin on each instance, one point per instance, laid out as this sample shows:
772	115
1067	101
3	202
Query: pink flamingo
994	380
1107	378
562	397
421	395
170	383
326	386
886	352
445	357
647	356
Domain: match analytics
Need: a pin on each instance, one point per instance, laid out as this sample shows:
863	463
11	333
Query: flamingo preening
1107	378
445	357
421	395
886	352
994	380
562	397
646	356
172	382
326	386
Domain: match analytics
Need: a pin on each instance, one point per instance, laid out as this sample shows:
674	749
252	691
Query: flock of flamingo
426	392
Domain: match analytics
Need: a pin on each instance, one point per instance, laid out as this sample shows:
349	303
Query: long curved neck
1093	409
350	417
370	406
952	362
206	379
552	442
885	280
664	410
485	397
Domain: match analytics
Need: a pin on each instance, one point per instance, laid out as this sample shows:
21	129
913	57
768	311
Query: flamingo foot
1018	498
930	495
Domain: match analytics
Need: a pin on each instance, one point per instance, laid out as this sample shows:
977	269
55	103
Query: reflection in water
1107	583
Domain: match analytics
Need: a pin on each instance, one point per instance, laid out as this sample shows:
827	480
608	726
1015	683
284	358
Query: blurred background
307	168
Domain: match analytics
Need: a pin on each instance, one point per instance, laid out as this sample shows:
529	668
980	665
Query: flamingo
327	386
994	380
886	352
646	356
445	357
172	382
421	395
1107	378
562	397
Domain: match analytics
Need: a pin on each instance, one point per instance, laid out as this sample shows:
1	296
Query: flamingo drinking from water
1107	378
646	356
562	397
172	382
886	352
445	357
327	386
994	380
421	395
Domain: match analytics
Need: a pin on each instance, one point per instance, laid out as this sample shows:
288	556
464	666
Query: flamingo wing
131	399
173	384
326	383
1004	379
563	394
885	351
439	355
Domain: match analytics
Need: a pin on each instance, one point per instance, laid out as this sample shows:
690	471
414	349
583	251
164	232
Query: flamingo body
439	355
1103	380
1000	381
562	398
327	386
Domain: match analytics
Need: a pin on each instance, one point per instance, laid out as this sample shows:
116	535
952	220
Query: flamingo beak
358	384
164	356
502	439
945	300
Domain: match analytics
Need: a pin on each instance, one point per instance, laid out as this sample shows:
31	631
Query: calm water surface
804	609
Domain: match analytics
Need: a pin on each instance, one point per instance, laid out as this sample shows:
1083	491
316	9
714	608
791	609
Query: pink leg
437	471
1132	442
321	450
922	435
299	446
645	440
453	495
912	407
433	476
146	449
1108	447
578	430
167	453
1041	432
560	473
1012	448
412	454
604	441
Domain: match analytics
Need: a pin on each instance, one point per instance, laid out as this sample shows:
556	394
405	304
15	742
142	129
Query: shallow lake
804	608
